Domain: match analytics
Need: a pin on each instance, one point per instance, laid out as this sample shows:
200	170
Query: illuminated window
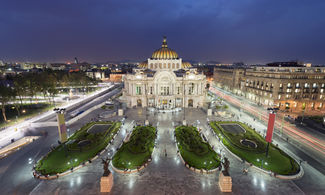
164	91
138	90
191	88
306	85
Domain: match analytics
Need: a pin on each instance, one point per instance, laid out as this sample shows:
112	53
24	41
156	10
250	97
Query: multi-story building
31	65
58	66
293	89
165	81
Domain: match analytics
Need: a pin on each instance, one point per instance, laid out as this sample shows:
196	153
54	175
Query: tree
20	87
31	85
5	96
53	91
15	100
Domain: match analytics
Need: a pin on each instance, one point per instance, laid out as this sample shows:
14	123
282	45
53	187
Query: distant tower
76	60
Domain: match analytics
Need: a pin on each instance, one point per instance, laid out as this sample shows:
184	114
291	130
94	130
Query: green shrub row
137	150
194	151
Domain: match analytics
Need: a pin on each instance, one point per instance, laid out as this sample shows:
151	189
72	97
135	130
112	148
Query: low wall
73	120
17	144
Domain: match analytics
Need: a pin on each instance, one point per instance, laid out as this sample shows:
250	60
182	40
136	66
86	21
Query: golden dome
164	52
186	65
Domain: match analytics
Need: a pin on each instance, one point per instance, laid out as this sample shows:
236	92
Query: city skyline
225	31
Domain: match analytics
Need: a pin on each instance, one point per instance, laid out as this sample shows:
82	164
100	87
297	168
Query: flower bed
277	161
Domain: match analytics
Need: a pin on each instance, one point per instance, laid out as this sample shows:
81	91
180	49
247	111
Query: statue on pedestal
106	181
105	163
226	165
225	181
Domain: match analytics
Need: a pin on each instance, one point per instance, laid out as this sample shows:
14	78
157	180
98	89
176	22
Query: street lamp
258	160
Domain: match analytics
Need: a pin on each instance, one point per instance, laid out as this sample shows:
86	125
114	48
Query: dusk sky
252	31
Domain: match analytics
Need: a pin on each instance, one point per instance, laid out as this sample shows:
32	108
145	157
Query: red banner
270	128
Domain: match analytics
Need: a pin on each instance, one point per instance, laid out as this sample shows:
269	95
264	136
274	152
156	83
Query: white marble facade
164	82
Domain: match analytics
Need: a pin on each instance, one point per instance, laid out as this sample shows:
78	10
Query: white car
109	102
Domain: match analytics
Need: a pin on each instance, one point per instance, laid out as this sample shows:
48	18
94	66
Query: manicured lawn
79	148
137	150
194	151
277	160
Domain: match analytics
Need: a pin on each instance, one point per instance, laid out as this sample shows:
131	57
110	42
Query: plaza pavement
167	175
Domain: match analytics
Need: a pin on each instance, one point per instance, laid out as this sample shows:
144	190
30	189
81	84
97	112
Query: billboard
270	128
61	127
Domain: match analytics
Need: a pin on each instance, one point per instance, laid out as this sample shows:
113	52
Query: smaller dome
164	52
143	64
186	65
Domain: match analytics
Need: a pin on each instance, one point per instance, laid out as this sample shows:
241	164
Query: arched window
191	89
168	65
160	65
173	65
164	65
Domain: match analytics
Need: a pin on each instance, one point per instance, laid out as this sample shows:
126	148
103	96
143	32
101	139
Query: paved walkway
167	175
